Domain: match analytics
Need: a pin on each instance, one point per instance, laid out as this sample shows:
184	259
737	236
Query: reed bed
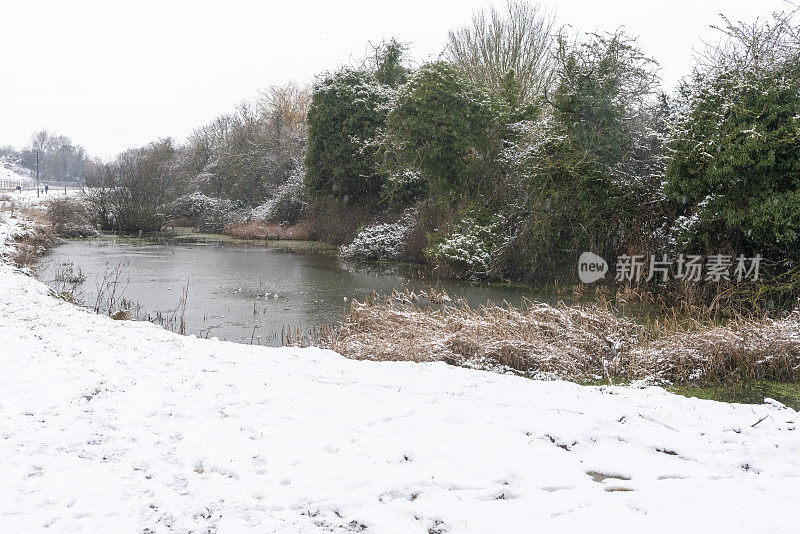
578	342
740	351
536	339
262	230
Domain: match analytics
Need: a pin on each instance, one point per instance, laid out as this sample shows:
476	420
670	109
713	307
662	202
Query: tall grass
578	342
262	230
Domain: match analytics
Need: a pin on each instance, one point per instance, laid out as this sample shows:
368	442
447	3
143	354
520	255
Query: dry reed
579	342
536	339
261	230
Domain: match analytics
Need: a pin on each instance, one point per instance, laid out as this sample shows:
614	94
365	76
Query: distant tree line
236	162
55	157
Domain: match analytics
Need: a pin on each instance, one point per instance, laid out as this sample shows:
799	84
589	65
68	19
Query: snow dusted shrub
735	139
377	242
348	107
189	206
207	213
381	241
404	187
288	203
470	251
686	229
70	218
219	215
442	122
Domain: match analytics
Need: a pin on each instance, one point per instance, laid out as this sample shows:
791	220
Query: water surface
245	293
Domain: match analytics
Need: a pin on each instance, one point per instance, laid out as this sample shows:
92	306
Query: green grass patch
787	393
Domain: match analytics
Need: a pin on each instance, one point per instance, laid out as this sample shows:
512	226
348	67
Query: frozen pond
242	292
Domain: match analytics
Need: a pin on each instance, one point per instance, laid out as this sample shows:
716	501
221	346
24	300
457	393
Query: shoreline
347	338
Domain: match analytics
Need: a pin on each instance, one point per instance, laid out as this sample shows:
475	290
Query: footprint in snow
601	477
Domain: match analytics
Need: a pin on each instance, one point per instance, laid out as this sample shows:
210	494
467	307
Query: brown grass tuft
262	230
537	339
571	342
740	351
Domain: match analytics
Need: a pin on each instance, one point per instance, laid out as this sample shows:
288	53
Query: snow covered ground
110	426
10	170
29	196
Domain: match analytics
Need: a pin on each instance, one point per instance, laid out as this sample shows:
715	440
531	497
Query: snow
10	230
10	170
28	197
117	426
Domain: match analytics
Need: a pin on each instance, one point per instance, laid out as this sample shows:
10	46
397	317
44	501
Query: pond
241	292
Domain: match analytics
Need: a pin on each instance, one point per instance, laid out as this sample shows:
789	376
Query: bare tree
754	46
519	39
40	142
130	192
249	154
64	153
287	105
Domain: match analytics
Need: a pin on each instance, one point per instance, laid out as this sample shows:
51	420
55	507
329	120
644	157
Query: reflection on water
241	293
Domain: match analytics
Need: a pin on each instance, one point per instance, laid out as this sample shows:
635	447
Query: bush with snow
288	203
384	241
71	218
208	213
377	242
471	250
347	109
735	139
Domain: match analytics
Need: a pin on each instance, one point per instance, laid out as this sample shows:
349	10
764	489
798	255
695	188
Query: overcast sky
112	74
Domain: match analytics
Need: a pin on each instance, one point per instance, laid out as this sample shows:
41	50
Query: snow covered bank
25	235
10	230
11	173
110	426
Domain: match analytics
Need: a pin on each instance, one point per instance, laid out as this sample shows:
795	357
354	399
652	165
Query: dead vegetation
40	227
262	230
536	339
740	351
579	342
70	218
31	245
34	236
67	280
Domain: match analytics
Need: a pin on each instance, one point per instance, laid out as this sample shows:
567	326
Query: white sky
113	74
